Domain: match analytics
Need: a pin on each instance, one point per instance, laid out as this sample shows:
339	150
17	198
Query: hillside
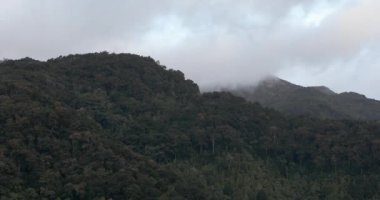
121	126
53	122
319	102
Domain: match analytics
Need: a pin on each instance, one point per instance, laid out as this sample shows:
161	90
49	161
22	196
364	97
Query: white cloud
213	42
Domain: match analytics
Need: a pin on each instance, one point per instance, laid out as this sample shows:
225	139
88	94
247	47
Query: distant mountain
320	102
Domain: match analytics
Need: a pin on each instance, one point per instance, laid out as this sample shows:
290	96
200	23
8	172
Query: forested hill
121	126
319	102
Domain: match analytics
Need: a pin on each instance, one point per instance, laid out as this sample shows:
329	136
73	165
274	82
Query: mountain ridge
315	101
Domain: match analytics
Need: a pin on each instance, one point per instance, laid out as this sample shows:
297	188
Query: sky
216	43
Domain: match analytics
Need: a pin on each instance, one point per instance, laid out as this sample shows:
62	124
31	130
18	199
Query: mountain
122	126
319	102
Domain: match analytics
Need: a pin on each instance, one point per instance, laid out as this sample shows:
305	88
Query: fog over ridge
216	43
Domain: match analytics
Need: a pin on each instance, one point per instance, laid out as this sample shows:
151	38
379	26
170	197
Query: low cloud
216	43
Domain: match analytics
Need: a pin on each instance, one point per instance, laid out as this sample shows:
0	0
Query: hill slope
319	102
53	127
121	126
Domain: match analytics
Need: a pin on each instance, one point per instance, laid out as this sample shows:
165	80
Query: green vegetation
121	126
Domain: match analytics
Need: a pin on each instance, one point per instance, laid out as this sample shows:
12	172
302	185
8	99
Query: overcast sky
215	42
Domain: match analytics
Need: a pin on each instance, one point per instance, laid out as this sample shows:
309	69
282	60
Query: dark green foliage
121	126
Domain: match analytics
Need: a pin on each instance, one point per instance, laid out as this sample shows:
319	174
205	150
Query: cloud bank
217	42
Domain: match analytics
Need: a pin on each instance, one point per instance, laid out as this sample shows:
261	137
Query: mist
216	43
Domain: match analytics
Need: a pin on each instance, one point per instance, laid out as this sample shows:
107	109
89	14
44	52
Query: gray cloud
214	42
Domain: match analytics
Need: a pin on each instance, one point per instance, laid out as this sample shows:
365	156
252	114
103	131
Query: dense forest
122	126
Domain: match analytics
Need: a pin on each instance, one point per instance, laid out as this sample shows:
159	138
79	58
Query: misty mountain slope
121	126
320	102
